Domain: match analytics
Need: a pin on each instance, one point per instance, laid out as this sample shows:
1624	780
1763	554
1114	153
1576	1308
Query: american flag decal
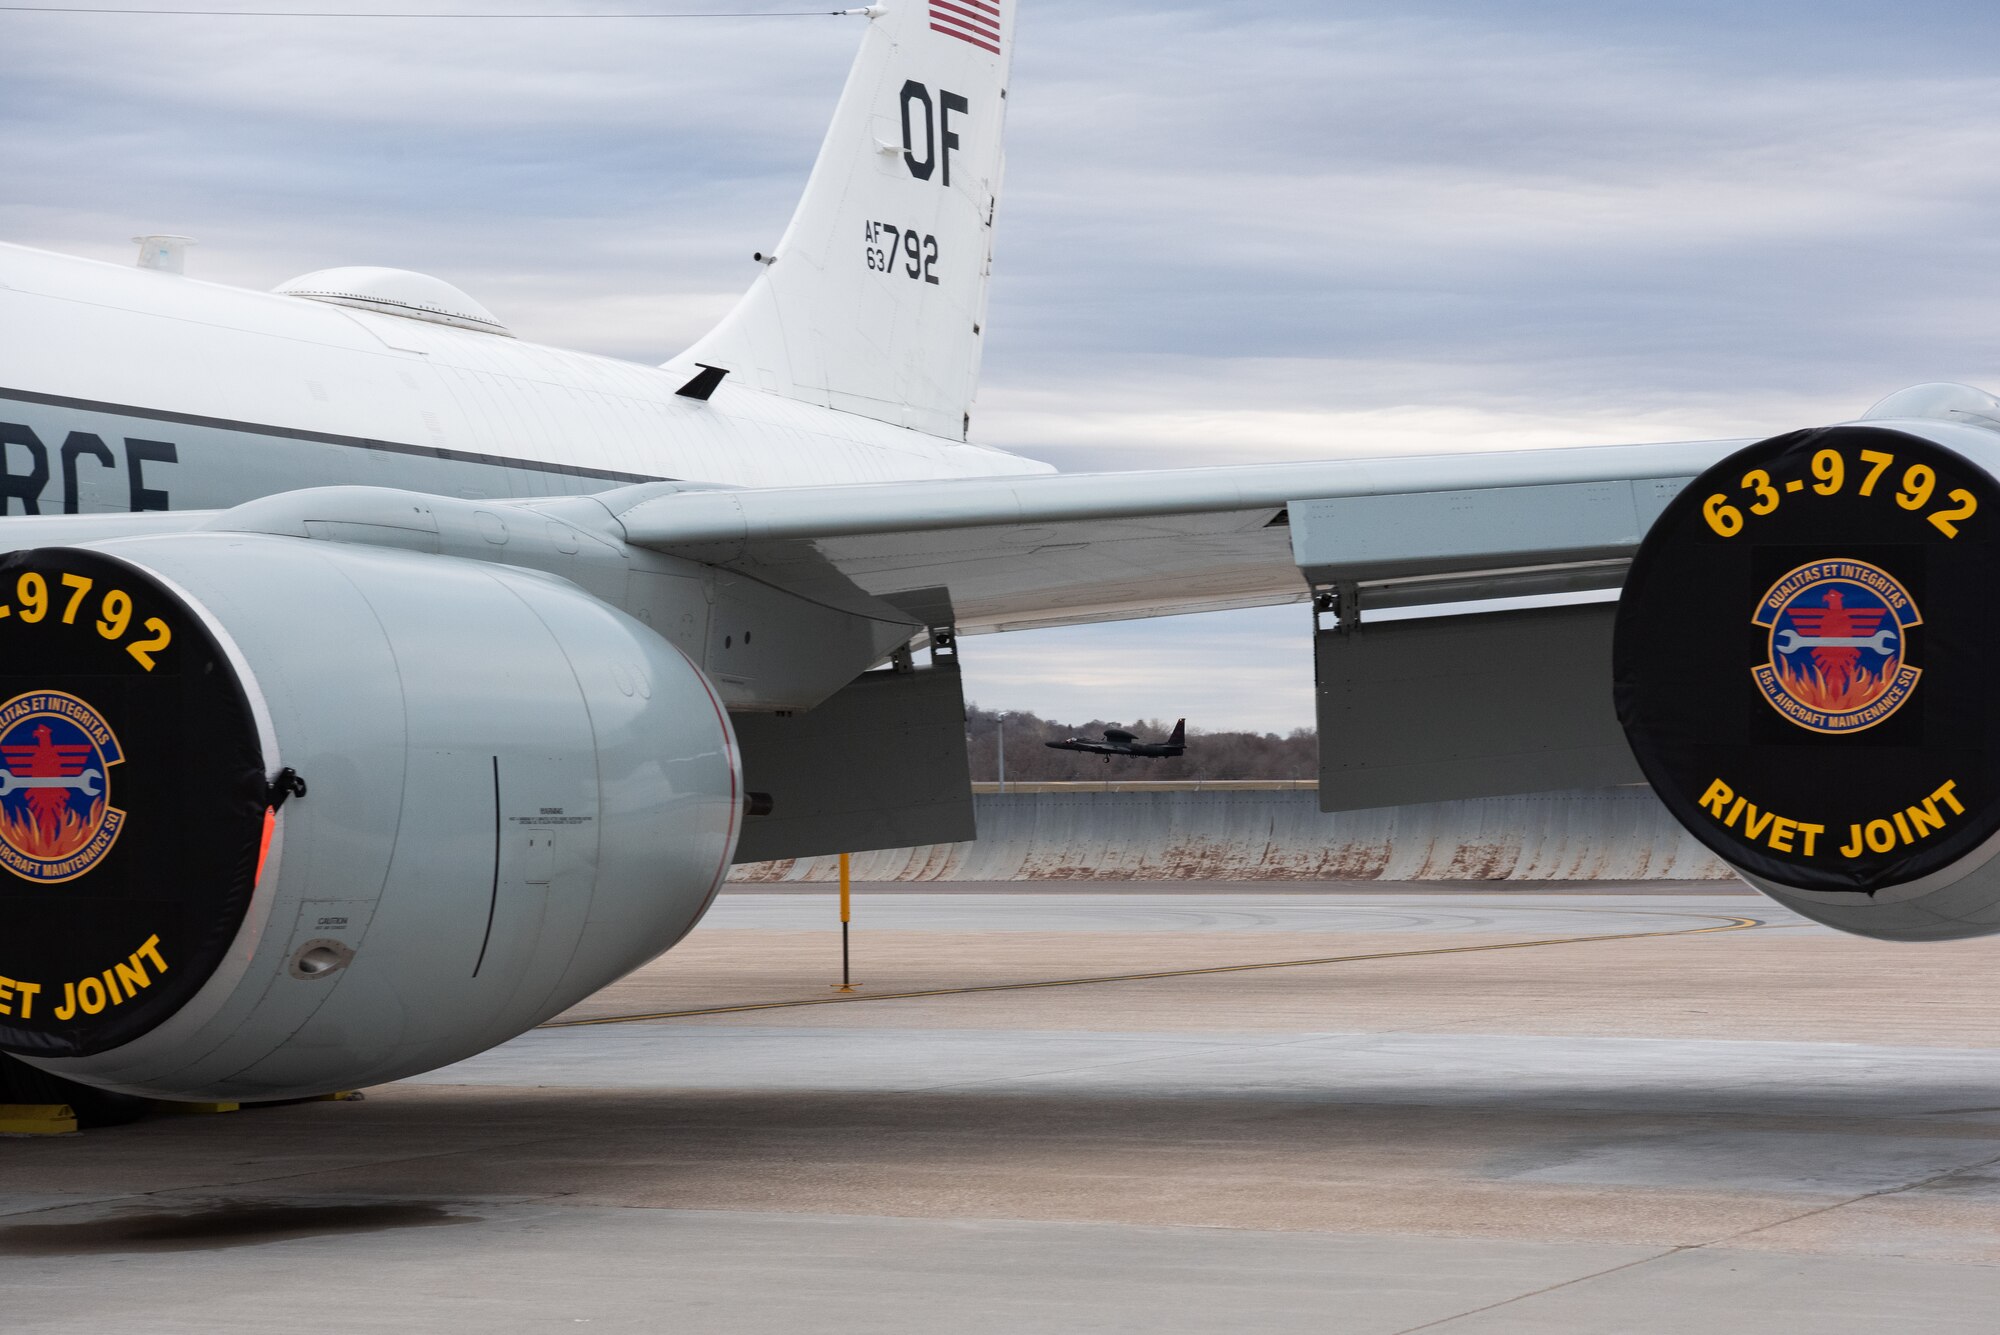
974	21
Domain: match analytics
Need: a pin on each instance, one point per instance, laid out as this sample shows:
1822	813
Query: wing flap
1442	708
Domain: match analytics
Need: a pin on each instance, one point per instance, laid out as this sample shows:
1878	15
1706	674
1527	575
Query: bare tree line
1210	755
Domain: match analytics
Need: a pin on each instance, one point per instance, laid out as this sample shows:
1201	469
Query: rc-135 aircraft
378	685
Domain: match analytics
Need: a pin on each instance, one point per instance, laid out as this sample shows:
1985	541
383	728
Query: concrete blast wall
1045	832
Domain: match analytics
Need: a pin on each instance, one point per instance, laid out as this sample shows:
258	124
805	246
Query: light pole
1001	721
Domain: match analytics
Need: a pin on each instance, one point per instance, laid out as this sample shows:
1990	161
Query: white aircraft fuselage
147	390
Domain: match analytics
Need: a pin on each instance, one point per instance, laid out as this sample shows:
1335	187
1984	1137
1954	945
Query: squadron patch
1837	656
56	817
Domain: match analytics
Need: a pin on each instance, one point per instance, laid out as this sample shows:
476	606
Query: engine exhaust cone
131	802
1805	659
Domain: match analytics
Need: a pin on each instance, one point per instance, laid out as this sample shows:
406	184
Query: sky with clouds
1231	232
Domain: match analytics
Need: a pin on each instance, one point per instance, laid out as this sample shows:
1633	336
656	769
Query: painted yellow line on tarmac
1723	924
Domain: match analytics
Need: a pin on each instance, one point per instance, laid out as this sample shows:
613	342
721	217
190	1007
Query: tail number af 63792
891	249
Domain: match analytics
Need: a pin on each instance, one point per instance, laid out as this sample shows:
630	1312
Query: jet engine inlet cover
1807	659
131	802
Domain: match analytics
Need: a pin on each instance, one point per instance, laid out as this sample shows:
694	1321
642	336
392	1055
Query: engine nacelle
1807	667
508	794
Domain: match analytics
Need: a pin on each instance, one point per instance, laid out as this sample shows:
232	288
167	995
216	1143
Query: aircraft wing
1018	552
1414	709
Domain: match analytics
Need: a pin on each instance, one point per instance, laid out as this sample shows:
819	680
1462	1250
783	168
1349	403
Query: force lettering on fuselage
27	465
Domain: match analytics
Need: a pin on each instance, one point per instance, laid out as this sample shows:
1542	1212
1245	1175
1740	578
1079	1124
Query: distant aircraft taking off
1118	742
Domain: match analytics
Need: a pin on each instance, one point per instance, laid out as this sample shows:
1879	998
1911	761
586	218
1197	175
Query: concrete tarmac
1470	1113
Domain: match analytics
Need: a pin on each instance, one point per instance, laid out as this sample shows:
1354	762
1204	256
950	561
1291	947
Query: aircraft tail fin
1180	733
874	301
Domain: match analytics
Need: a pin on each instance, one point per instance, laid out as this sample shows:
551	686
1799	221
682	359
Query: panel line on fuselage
327	438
